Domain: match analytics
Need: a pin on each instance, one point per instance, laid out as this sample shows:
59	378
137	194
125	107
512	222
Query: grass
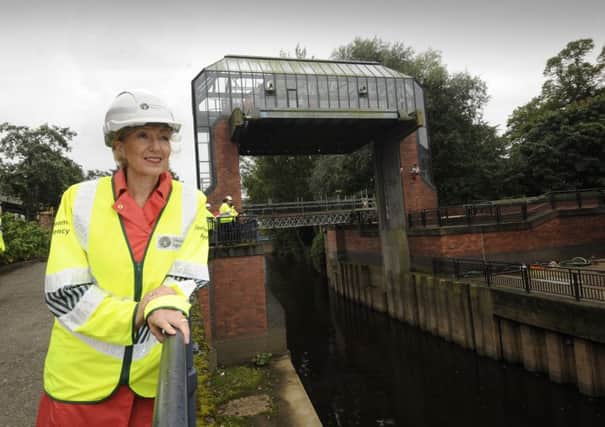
225	384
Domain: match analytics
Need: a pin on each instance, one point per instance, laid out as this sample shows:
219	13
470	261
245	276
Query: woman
126	253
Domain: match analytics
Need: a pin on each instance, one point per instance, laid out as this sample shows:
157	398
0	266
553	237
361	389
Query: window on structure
203	152
280	91
292	100
303	94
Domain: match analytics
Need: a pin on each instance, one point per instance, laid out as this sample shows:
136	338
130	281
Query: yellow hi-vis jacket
211	219
2	248
93	286
227	213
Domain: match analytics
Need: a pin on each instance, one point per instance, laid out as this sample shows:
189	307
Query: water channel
361	368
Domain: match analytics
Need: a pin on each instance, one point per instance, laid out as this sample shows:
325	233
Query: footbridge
312	213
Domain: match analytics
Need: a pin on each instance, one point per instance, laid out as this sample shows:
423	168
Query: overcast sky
63	61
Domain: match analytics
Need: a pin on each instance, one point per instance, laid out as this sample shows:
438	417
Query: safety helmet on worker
136	108
228	198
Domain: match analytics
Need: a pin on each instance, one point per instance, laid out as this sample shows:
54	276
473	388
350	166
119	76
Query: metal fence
232	233
504	211
578	283
302	207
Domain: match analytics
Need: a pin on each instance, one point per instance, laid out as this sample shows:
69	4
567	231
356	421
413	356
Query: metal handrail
501	211
235	232
172	407
579	283
309	206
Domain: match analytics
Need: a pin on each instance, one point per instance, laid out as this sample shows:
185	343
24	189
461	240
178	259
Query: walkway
24	337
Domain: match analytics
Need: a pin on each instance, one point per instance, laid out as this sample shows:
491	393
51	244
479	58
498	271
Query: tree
466	153
558	138
277	178
35	168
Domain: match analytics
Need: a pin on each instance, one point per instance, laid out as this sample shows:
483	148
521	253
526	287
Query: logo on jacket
169	242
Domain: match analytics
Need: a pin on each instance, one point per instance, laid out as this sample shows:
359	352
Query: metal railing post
524	211
525	278
456	268
423	217
410	221
579	198
575	284
487	271
553	202
498	215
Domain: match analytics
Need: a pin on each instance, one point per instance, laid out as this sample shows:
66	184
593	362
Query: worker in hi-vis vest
227	212
127	251
2	247
210	217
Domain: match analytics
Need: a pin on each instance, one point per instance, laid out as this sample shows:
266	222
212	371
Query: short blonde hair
120	136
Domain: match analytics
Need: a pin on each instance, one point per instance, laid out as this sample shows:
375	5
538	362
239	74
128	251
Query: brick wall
226	166
418	194
353	241
239	303
557	233
550	237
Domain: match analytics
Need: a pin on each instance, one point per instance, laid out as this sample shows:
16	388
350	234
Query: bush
23	239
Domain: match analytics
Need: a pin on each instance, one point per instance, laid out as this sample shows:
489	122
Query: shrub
23	239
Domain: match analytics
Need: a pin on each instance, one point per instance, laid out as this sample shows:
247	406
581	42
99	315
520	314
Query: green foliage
277	178
570	77
234	382
467	154
288	244
37	171
97	173
262	359
24	240
558	138
343	174
318	253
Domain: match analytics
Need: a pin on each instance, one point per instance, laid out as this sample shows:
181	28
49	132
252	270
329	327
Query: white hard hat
208	205
229	198
136	108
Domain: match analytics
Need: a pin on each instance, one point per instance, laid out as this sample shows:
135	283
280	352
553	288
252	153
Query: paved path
24	334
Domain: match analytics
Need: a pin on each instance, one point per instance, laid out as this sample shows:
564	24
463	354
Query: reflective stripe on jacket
227	213
93	284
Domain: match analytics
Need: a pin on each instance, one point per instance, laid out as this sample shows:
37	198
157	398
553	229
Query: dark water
361	368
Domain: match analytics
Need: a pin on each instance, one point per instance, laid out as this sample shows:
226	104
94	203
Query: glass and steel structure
331	93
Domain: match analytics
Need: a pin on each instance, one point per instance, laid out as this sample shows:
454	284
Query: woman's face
146	150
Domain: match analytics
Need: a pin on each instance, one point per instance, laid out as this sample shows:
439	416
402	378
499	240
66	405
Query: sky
63	62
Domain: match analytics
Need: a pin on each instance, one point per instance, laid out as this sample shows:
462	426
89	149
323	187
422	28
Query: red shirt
139	222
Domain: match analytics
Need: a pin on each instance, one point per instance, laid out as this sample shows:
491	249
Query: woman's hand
168	321
157	292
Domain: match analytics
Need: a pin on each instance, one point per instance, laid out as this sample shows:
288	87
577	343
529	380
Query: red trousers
122	409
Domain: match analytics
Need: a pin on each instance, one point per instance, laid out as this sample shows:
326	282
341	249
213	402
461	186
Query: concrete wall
561	338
